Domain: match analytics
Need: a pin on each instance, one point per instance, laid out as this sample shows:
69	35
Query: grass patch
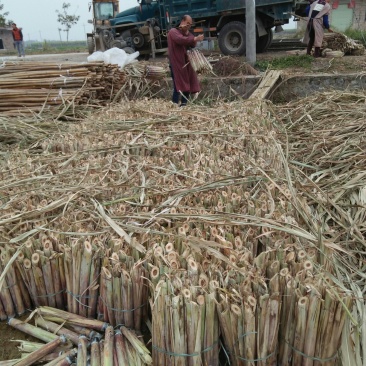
280	63
357	35
49	47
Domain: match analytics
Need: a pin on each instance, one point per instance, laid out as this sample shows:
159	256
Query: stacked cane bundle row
268	308
74	276
14	296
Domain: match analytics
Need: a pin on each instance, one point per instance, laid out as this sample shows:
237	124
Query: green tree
66	19
3	21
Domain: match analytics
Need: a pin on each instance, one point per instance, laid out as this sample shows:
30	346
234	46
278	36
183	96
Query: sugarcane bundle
82	262
123	293
143	70
249	318
191	320
155	72
198	61
41	269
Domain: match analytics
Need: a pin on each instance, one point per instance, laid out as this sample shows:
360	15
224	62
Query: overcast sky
38	18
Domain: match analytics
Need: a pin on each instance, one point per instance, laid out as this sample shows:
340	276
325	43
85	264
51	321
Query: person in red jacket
18	39
185	81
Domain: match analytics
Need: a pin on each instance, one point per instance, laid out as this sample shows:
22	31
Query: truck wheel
265	41
144	57
90	43
232	39
129	50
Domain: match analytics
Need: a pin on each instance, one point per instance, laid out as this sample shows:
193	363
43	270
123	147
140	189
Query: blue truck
145	26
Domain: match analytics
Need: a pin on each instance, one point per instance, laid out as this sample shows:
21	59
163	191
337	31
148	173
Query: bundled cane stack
185	222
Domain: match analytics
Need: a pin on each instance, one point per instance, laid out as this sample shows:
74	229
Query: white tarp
115	56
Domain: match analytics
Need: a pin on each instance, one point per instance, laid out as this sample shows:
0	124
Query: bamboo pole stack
30	86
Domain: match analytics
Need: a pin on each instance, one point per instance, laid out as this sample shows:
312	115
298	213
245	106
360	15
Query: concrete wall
7	38
302	86
225	88
359	15
230	88
359	12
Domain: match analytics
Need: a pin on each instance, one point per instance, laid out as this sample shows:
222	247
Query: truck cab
102	11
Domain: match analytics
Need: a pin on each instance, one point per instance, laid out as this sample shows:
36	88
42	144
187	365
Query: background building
6	39
348	14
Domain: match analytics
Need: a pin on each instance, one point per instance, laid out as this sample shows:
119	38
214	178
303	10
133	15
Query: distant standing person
18	39
185	81
318	19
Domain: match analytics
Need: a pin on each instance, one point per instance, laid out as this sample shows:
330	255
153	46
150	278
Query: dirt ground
346	64
8	334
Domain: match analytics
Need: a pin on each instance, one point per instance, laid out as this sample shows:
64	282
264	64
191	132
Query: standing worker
318	19
185	81
18	39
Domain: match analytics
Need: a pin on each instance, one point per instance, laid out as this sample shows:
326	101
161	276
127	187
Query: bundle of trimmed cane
198	61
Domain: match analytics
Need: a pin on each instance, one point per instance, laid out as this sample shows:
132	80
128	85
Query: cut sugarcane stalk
41	352
32	330
108	352
57	329
81	359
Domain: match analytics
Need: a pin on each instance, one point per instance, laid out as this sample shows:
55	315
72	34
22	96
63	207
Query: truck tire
129	50
90	43
232	39
265	41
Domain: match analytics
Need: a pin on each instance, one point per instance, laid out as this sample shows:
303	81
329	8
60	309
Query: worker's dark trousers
311	39
177	94
311	42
